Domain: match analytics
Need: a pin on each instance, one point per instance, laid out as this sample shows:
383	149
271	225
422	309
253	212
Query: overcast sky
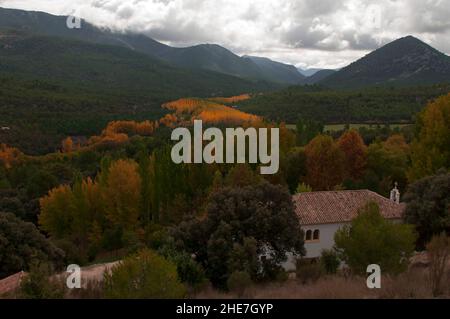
307	33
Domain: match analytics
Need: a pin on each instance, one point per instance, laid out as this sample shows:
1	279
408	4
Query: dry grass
413	284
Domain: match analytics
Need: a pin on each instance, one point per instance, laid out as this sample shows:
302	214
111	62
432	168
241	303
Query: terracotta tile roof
341	206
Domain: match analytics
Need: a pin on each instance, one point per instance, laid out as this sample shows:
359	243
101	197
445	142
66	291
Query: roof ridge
340	205
379	195
340	191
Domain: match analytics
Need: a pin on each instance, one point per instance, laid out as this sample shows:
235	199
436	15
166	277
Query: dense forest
52	87
371	105
120	192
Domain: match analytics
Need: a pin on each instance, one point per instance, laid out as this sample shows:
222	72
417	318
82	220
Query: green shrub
21	244
157	239
238	282
371	239
329	260
189	271
38	285
144	275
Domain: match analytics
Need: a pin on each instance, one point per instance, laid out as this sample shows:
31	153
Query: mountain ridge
281	72
405	61
110	68
319	76
203	56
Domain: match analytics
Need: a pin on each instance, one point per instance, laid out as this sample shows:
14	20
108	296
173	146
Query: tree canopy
21	244
371	239
431	148
241	225
428	206
141	276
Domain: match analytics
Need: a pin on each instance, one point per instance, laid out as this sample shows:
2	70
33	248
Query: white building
321	214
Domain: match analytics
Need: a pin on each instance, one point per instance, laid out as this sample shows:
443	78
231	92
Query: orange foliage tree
324	163
396	143
355	154
169	120
227	115
130	128
9	155
209	112
232	99
67	145
118	132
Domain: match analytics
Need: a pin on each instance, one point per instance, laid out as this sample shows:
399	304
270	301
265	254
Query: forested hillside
404	62
375	105
52	87
209	57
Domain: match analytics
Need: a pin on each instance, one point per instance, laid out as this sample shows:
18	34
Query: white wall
326	239
314	248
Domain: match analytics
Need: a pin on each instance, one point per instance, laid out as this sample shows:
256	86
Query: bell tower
395	194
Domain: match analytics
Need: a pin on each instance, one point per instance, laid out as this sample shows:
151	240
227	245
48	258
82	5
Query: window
308	234
316	234
312	235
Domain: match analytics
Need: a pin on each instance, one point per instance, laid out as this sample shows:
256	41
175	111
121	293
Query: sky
306	33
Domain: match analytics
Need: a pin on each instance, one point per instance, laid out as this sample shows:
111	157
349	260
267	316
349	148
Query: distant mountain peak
405	61
277	71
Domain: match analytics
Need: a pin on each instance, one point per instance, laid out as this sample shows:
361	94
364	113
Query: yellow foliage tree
122	194
57	212
430	150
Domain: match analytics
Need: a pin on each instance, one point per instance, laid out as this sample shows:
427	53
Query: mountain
276	71
205	56
308	72
406	61
111	69
52	87
46	24
214	58
318	76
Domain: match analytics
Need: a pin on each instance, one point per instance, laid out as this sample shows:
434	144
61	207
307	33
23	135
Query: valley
107	155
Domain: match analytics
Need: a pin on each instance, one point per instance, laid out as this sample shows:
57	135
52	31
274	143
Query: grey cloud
180	34
313	32
125	12
431	16
358	41
251	14
314	8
